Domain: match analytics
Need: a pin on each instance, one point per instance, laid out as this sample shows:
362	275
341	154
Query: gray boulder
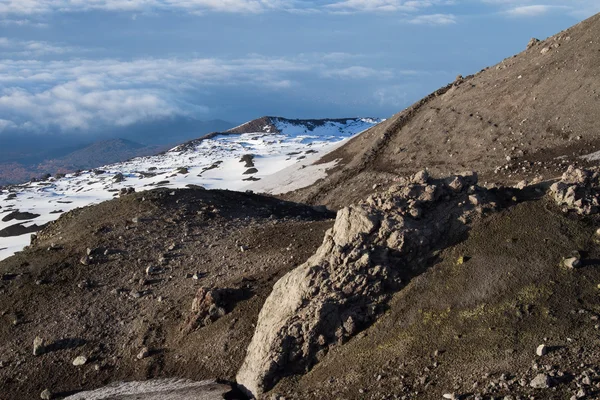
371	249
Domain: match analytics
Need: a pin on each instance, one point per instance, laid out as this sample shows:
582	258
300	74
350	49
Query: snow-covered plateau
275	160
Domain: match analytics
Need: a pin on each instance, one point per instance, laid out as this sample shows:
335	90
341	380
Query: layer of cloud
433	19
17	12
11	48
87	94
32	7
534	8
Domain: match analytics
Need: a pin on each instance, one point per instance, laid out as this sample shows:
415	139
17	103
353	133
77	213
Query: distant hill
277	124
24	156
101	153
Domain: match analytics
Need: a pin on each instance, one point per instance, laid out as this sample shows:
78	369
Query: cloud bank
85	94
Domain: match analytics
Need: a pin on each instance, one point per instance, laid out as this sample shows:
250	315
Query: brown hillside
515	117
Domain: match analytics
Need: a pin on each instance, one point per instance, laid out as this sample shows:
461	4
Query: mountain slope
226	160
508	122
432	287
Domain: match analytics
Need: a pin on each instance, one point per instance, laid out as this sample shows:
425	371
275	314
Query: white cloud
32	7
433	19
30	48
358	72
5	124
531	11
84	94
532	8
384	5
22	22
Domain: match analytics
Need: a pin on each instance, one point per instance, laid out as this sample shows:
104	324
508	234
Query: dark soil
111	308
485	317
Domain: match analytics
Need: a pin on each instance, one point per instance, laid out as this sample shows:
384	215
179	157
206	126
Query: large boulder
578	190
371	250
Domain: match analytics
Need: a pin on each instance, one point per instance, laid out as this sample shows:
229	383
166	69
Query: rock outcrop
578	190
372	250
210	305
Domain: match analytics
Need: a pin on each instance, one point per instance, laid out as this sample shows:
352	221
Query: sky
84	66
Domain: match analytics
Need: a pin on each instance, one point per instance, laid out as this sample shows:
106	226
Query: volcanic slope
470	325
507	122
116	283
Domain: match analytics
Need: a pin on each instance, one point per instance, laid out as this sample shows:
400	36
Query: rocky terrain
461	262
229	160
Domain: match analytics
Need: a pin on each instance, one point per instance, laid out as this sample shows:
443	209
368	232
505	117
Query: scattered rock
541	381
532	42
46	395
118	178
578	190
86	260
19	216
144	353
572	262
541	350
38	346
79	361
208	306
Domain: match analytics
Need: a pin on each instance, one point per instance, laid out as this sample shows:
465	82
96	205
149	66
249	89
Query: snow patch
212	163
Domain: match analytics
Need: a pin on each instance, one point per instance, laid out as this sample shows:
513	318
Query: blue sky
88	65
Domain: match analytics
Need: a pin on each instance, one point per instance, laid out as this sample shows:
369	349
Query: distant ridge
275	125
271	124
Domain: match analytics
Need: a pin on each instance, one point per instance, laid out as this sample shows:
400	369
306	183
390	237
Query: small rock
474	200
38	346
145	352
46	394
450	396
541	381
85	260
421	177
572	262
152	270
532	42
541	350
79	361
587	381
118	178
522	185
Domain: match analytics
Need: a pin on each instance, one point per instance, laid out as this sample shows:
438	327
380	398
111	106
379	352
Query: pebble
85	260
79	361
572	262
38	346
145	352
46	394
541	381
541	350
